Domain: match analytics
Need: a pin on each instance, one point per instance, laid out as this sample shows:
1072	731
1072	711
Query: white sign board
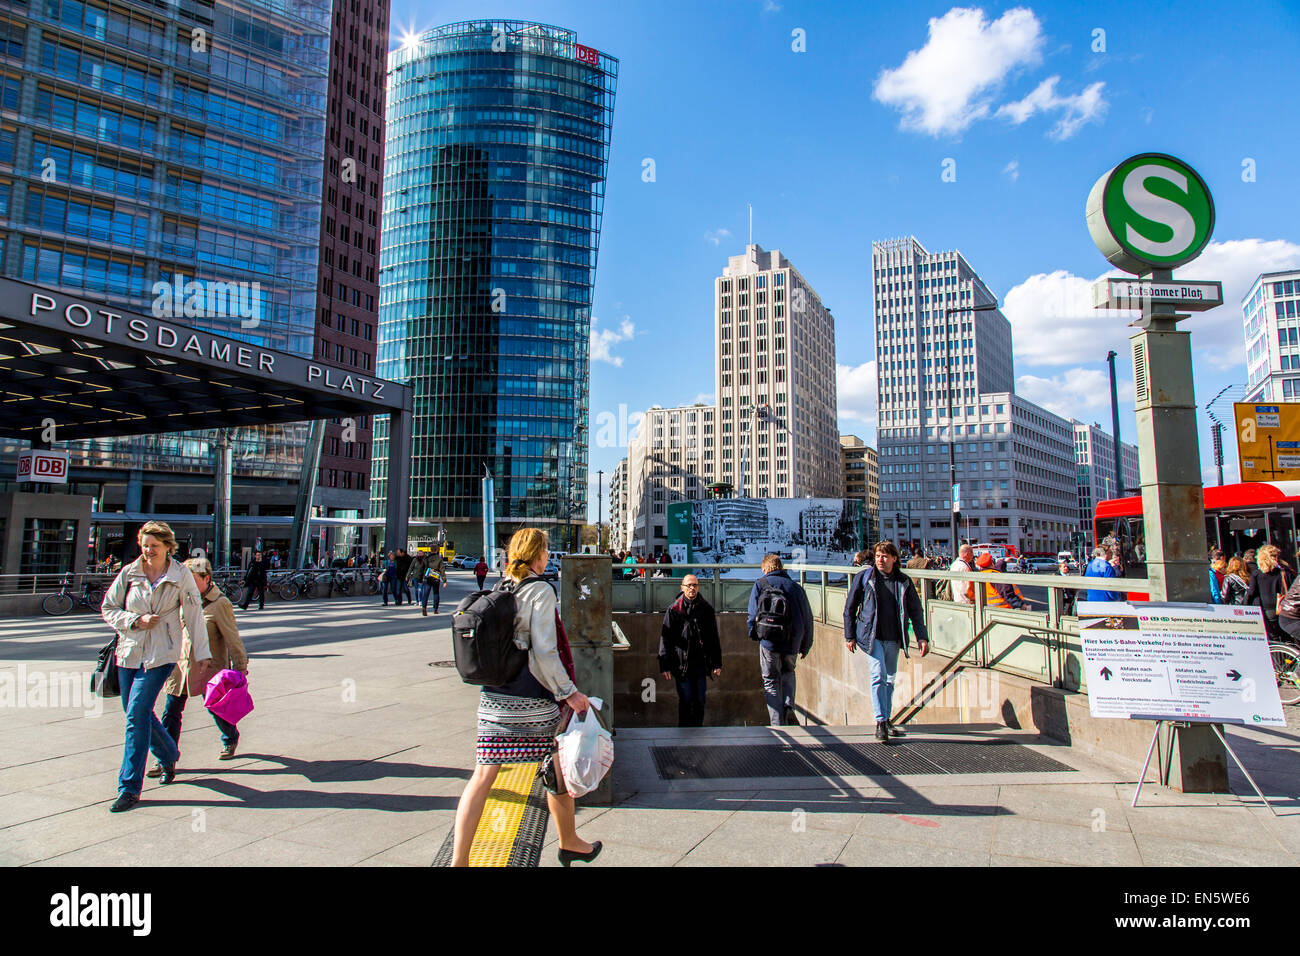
1188	662
50	467
1133	294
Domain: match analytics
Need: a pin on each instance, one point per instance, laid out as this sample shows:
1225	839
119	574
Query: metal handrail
916	704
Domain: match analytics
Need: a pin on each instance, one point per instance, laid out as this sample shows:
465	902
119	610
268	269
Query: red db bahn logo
49	467
588	55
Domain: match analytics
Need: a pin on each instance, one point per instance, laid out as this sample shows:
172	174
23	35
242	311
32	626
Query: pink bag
227	696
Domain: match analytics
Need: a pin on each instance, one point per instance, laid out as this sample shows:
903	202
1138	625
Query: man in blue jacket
880	603
780	619
1100	567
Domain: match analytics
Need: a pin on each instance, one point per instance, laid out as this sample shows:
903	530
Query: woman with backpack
518	722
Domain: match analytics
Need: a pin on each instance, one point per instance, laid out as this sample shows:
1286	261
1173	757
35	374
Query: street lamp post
952	457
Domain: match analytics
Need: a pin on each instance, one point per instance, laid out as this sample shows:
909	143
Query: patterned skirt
515	729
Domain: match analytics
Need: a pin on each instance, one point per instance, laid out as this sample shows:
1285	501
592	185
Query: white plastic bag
586	751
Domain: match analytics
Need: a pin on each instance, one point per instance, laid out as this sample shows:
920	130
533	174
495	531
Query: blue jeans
884	665
778	685
432	586
390	587
171	721
402	588
140	689
691	692
421	592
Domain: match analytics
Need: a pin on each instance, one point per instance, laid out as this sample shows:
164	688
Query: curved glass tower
494	183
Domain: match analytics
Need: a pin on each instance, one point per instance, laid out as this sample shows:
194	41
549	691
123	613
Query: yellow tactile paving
502	814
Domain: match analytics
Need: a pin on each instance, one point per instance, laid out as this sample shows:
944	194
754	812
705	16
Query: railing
1039	644
51	582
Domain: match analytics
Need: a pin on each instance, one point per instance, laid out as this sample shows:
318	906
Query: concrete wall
833	686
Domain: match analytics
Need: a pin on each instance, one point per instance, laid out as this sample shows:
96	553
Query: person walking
480	572
415	576
1235	583
1218	571
402	564
255	580
780	619
1068	595
1267	585
690	652
963	592
517	723
1101	567
1001	595
882	600
389	575
227	654
1248	559
154	605
629	566
435	576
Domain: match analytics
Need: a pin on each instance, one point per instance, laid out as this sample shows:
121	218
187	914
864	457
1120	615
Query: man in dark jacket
402	562
783	638
690	651
255	578
880	603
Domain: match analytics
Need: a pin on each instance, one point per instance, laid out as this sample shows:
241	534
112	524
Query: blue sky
845	142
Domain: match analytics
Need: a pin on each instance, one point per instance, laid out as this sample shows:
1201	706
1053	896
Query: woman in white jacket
152	604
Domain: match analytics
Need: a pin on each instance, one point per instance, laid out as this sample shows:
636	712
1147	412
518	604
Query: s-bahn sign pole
1150	215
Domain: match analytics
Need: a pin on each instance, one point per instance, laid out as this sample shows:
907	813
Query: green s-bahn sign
1150	212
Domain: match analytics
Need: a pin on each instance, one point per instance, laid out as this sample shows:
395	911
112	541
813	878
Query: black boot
882	731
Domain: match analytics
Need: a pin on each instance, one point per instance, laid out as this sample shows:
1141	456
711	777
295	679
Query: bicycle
1286	667
281	584
91	596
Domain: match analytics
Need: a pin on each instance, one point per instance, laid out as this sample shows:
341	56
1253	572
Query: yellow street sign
1268	441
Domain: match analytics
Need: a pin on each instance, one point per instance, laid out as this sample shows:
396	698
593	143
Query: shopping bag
227	696
586	751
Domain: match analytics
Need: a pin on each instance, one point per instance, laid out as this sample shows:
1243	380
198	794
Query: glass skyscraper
496	158
145	145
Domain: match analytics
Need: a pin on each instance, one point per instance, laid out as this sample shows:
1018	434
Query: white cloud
947	85
856	392
1080	393
603	339
1053	321
770	6
716	236
1012	170
704	398
1076	110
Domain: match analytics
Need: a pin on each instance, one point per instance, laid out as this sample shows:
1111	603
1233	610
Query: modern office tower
1094	455
946	383
1015	464
669	458
618	536
347	292
775	380
861	466
494	185
1271	319
167	158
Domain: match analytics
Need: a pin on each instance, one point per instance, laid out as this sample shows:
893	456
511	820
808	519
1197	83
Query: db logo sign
588	55
47	466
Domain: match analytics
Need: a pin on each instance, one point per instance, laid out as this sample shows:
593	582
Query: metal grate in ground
847	760
513	826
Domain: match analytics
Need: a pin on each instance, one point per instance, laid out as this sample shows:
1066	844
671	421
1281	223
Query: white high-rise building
946	384
1271	318
618	531
668	460
775	380
1094	454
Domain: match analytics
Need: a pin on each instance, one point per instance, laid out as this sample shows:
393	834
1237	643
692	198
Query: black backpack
483	636
772	621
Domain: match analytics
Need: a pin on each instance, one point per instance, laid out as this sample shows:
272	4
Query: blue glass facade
496	158
183	143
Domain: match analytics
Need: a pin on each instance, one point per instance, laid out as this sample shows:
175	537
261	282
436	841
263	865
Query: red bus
1237	518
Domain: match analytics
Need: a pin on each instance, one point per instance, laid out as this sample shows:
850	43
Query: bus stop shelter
98	371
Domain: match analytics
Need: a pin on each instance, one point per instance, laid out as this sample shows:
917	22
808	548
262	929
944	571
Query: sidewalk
359	748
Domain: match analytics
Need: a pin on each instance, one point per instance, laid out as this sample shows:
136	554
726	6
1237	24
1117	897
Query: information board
1189	662
1268	440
